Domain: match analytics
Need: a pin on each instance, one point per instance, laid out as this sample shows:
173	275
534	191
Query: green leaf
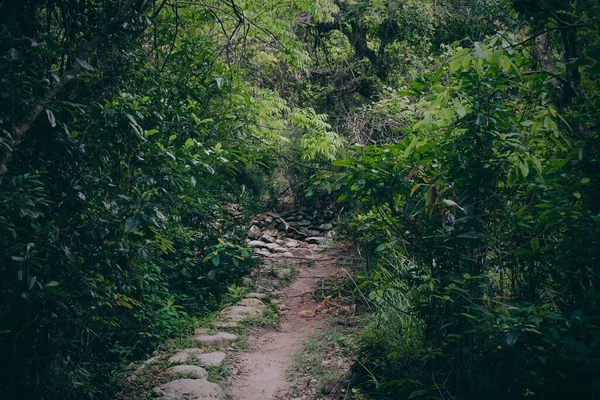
471	235
131	223
512	177
524	168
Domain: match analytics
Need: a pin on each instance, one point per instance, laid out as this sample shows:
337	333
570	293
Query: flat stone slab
240	313
252	302
300	252
225	324
189	389
213	359
189	371
259	296
287	254
273	246
268	239
221	338
257	244
264	252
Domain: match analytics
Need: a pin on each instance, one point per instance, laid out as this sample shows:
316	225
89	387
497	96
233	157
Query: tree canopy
459	139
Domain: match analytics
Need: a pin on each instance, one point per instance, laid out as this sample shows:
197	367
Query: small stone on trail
240	313
256	296
273	246
268	239
299	252
190	371
254	232
287	254
306	314
257	244
325	227
314	240
252	302
219	339
264	253
188	389
213	359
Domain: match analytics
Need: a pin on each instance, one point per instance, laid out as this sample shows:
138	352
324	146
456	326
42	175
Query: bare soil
261	371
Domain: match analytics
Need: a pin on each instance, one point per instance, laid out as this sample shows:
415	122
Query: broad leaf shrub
116	215
483	229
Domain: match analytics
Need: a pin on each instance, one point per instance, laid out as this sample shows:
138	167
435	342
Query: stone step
188	356
189	371
219	339
188	389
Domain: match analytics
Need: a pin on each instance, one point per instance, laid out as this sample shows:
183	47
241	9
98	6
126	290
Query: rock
325	227
315	240
257	244
219	339
268	239
280	242
272	246
291	243
259	296
330	234
225	324
246	281
254	232
305	222
280	250
312	232
201	331
213	359
264	252
283	273
306	314
188	389
240	313
287	254
300	252
268	219
189	371
271	232
252	302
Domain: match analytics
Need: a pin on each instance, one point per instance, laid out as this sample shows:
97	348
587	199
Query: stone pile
295	224
292	235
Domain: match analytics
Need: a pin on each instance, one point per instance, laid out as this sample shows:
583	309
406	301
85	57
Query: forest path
262	370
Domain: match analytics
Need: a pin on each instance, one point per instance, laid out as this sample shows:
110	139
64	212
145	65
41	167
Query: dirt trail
262	370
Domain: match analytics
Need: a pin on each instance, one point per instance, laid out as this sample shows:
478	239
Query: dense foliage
137	137
480	216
